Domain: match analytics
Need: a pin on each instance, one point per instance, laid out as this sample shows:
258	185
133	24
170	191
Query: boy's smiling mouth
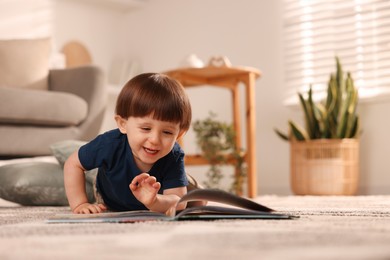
150	151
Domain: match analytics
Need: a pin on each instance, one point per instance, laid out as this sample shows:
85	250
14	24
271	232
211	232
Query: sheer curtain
357	31
25	18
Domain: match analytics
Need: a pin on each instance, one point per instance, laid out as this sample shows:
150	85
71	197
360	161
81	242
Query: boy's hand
145	189
87	208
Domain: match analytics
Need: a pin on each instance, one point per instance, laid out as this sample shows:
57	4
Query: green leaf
323	125
282	135
308	115
355	128
298	132
332	94
315	118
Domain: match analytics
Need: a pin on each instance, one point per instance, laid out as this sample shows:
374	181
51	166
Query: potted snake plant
324	154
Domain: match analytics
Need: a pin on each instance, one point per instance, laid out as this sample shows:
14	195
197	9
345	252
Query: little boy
140	165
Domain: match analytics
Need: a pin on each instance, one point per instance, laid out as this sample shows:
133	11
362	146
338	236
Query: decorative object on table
219	61
192	61
216	139
325	154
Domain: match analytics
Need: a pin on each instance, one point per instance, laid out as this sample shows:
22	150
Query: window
357	31
25	19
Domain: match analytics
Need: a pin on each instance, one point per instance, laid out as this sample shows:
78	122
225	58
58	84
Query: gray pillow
63	149
33	183
38	184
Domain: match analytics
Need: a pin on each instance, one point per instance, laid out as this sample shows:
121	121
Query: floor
328	228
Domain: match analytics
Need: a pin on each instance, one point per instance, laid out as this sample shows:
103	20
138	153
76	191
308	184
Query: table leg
251	138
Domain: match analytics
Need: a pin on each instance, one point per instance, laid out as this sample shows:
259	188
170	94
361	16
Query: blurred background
292	43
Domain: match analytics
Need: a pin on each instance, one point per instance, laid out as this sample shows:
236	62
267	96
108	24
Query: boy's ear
121	123
181	134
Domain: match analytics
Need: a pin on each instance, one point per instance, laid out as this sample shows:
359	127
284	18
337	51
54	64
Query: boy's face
149	139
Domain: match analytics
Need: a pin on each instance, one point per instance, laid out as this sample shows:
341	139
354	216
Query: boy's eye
145	128
167	132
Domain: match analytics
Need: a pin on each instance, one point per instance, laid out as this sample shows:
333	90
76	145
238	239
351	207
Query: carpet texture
328	228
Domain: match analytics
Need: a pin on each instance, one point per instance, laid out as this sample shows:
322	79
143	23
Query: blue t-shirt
111	154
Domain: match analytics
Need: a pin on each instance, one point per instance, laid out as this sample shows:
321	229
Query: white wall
160	34
375	148
96	26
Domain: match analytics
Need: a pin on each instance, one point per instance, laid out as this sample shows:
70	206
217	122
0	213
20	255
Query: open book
228	206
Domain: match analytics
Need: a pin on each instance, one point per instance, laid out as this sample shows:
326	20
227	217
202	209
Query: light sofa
41	107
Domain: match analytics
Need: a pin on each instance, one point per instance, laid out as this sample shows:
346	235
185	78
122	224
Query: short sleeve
99	151
174	173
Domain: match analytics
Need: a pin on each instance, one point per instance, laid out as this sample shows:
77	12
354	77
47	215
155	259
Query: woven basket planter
325	167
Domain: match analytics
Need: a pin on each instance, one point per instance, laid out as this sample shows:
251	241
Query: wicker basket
325	167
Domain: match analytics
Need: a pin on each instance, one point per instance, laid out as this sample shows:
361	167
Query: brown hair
155	94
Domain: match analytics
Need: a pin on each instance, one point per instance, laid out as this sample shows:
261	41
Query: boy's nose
154	138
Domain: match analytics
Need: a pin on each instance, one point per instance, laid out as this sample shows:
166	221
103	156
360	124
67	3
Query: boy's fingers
143	175
151	179
85	211
102	206
157	185
133	186
93	209
139	178
171	212
90	208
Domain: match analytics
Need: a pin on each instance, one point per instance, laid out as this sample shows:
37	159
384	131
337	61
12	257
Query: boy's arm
145	188
74	179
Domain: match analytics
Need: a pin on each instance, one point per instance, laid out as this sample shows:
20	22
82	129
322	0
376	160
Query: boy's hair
155	94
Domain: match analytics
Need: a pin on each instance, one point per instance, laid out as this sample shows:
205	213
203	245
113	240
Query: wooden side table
229	78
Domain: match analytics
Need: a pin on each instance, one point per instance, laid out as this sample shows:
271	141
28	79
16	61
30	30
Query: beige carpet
328	228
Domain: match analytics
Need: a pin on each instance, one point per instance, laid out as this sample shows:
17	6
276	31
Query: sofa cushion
24	63
33	107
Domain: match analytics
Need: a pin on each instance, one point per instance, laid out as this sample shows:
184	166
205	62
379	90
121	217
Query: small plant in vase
217	140
324	153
